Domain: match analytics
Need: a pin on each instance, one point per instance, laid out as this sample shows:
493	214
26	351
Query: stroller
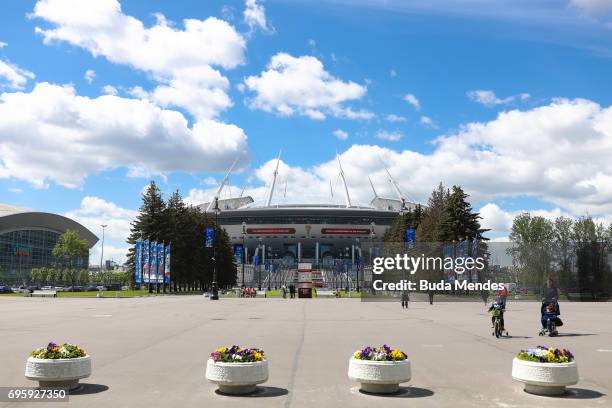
550	318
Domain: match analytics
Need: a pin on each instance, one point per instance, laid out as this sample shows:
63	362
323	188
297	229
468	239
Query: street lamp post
215	287
346	256
243	250
261	259
102	252
359	263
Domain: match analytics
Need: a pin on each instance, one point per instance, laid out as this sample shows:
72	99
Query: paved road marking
604	351
102	315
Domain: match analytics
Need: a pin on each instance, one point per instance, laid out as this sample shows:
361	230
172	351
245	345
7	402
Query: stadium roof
14	218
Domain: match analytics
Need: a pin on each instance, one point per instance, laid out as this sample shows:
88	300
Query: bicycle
498	330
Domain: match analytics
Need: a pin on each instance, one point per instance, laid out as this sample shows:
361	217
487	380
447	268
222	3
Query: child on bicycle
550	312
497	309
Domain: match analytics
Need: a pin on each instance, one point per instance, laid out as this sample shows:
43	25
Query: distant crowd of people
248	292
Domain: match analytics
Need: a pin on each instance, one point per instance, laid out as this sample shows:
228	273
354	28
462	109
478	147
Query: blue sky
511	101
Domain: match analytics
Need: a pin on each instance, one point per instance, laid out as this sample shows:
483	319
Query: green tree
150	223
563	249
70	247
434	214
532	247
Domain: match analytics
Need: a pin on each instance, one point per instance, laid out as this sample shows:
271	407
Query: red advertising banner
345	231
270	231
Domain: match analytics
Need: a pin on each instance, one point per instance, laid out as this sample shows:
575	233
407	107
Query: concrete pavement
150	352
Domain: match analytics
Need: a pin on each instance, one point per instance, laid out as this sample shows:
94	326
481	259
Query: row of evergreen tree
183	226
448	218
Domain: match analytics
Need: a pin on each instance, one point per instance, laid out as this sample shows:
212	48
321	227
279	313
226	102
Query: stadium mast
347	197
373	189
397	189
216	197
271	193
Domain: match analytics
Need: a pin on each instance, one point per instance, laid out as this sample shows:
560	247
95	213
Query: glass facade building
27	240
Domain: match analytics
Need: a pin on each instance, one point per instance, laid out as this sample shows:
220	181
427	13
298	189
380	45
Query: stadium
27	239
272	238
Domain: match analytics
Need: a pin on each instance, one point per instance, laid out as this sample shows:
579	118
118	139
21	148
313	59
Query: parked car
5	289
91	288
59	289
47	288
78	289
100	287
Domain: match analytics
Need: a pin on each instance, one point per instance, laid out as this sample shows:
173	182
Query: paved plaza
150	352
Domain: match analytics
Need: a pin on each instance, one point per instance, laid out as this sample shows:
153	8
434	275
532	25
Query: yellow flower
357	354
222	350
397	355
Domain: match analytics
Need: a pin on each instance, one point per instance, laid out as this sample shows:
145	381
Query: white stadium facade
273	238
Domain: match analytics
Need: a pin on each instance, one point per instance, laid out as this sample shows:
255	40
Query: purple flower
51	345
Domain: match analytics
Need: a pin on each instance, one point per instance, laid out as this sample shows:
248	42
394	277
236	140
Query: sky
510	100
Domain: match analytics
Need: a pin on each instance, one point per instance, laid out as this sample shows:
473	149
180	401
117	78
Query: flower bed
58	366
380	370
545	370
237	370
542	354
382	353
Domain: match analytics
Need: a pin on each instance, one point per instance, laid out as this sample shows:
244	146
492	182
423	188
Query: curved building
27	239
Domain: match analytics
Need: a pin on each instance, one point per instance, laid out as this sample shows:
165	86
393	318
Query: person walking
284	291
485	296
405	299
431	294
503	296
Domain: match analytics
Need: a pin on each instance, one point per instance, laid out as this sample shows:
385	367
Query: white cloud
592	7
489	99
3	44
181	60
93	213
301	85
109	90
395	118
557	153
15	190
340	134
255	16
389	136
427	121
413	100
392	73
89	75
76	136
15	76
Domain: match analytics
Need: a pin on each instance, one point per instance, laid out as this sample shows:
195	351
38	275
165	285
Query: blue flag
209	237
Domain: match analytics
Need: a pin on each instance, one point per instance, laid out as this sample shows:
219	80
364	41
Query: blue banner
138	262
239	252
145	261
153	262
267	264
160	263
256	260
167	264
411	238
209	237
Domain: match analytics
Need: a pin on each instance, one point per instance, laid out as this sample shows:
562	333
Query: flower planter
236	378
545	378
58	373
379	377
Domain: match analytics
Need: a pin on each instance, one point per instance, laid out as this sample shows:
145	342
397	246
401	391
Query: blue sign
411	238
138	262
167	264
267	264
256	260
239	252
209	237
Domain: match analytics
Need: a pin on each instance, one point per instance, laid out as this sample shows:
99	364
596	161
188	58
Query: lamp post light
261	259
358	263
346	256
243	250
215	285
102	252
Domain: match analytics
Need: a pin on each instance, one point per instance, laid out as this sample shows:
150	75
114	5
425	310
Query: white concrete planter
380	377
545	378
237	378
60	373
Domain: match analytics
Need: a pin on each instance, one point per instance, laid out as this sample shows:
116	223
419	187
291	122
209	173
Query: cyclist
497	309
